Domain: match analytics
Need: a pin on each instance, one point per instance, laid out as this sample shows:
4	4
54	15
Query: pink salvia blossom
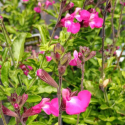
75	104
48	3
48	58
1	17
39	4
121	2
42	52
76	60
37	9
47	106
25	0
56	37
16	105
91	19
30	67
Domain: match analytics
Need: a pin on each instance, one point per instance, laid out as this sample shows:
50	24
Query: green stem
33	82
82	87
59	99
6	35
106	97
2	115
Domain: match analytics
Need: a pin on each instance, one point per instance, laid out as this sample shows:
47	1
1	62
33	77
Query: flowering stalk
82	87
2	115
59	99
103	39
7	39
118	32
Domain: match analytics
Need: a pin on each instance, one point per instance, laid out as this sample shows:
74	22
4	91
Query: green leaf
13	75
37	123
100	62
11	29
4	54
18	46
50	13
69	119
31	119
34	98
123	73
42	31
4	73
109	62
12	121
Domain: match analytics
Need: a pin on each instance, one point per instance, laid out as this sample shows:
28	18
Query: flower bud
68	7
16	106
105	83
61	70
59	48
55	57
92	54
43	75
56	37
117	47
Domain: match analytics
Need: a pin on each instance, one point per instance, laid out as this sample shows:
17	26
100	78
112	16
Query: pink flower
24	68
42	52
56	37
25	0
121	2
75	104
39	4
1	17
47	106
71	26
16	106
91	19
48	3
48	58
76	60
37	9
0	66
30	67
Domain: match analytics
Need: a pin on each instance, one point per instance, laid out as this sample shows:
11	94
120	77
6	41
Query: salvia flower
48	3
1	17
25	0
121	2
75	104
76	61
37	9
48	58
49	107
91	19
56	37
25	69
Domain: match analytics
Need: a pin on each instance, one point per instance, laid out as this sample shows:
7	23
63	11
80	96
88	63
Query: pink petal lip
85	97
54	106
74	106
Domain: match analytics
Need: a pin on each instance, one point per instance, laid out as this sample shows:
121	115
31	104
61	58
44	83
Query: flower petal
85	97
85	15
54	106
73	62
46	108
66	94
75	28
74	106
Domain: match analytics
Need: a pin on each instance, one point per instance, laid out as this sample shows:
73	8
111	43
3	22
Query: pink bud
91	55
0	66
117	47
30	67
68	7
25	0
43	75
37	9
16	106
39	4
23	67
42	52
26	72
56	37
48	58
1	17
114	53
